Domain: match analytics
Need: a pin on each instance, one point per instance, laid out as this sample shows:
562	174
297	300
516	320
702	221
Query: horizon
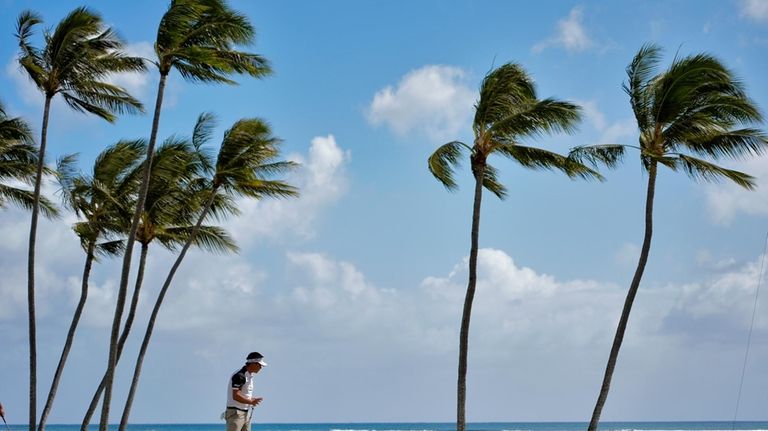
353	292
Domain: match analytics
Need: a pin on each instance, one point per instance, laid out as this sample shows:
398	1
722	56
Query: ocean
442	426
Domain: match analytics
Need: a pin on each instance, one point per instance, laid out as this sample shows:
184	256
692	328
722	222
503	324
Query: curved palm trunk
461	421
156	310
123	337
619	337
122	290
70	335
31	268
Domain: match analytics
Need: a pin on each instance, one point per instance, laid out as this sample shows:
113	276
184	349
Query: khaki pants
237	420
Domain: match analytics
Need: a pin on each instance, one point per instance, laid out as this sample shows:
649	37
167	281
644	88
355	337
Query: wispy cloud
570	34
756	10
433	100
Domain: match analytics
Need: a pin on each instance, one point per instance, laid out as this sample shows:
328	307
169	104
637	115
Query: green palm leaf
443	162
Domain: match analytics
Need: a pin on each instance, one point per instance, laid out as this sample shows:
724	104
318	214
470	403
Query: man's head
254	362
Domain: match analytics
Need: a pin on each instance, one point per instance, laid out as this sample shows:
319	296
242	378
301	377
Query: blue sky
353	292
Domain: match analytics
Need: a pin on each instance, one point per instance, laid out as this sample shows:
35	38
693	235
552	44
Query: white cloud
725	200
321	180
570	35
755	9
433	100
137	83
610	133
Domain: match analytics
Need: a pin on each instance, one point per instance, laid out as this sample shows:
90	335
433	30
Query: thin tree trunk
123	337
622	327
70	335
122	290
156	310
461	421
31	268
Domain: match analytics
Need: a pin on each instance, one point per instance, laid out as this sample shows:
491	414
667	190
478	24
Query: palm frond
702	170
502	90
735	144
639	74
25	199
444	161
212	239
536	118
596	155
491	182
537	158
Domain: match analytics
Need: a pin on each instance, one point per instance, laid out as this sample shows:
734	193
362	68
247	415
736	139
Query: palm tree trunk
622	327
123	337
31	268
70	335
156	310
461	421
122	290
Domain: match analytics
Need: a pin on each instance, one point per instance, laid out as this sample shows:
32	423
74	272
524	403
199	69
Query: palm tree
694	108
197	38
508	110
79	54
168	218
18	159
103	201
246	161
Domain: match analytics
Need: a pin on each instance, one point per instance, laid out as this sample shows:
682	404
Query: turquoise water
440	426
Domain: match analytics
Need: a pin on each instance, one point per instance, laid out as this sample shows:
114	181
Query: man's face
253	368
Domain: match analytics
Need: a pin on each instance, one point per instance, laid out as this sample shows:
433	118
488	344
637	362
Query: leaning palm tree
694	108
197	38
102	200
78	57
168	219
508	110
18	160
246	162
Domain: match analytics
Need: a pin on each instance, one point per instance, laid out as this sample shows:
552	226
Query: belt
238	409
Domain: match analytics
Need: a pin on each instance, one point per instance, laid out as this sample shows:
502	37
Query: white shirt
242	381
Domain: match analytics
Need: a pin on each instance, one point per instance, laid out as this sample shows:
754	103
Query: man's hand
256	401
2	411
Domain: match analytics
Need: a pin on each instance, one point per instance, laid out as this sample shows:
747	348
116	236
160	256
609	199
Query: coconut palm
18	159
168	218
507	112
695	108
78	56
103	201
246	161
197	38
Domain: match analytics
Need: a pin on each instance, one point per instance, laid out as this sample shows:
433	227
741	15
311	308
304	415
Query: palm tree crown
78	57
198	38
507	112
695	108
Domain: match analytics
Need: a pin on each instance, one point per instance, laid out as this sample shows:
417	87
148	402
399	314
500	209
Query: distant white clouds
570	34
755	9
618	132
433	100
137	83
321	180
726	200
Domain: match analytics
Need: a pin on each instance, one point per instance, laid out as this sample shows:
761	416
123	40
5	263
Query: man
240	399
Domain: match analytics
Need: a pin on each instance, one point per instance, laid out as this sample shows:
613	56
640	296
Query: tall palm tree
103	201
18	160
78	57
508	110
168	218
246	161
696	107
199	39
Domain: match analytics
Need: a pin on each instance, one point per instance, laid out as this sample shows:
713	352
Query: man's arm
245	400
